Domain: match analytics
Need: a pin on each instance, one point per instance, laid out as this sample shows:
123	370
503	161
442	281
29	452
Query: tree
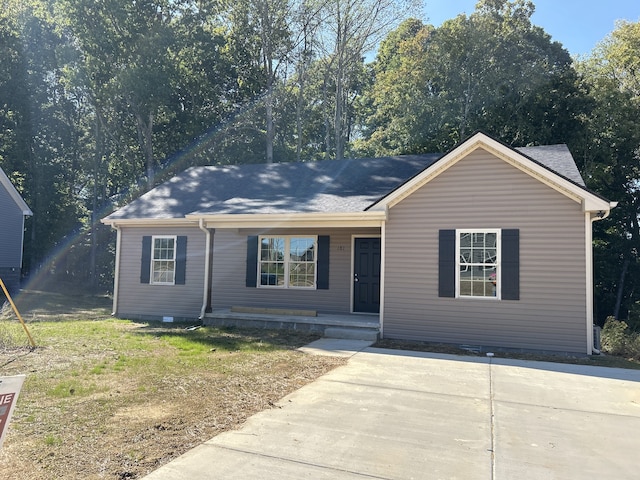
128	67
351	28
42	126
492	70
612	167
262	26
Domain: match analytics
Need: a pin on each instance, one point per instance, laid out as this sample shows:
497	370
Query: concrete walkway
405	415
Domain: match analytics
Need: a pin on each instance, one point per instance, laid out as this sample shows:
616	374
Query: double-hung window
478	263
163	261
287	261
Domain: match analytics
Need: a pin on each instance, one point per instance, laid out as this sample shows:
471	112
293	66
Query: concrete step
370	334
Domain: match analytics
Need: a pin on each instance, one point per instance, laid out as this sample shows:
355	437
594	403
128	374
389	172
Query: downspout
592	217
383	242
207	263
116	274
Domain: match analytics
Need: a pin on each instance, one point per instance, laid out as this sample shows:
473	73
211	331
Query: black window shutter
145	264
323	263
252	261
181	260
447	263
511	264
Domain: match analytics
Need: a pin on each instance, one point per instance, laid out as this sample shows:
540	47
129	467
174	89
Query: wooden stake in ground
15	309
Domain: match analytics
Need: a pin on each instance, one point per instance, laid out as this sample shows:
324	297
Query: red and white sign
9	391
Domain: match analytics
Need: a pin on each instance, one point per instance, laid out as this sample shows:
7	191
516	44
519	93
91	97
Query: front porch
348	326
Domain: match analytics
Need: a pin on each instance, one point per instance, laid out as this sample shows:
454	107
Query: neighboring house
485	245
13	211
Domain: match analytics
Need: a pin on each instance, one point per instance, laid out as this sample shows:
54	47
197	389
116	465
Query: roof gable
552	165
13	193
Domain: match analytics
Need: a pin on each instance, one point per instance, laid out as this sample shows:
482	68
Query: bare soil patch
112	399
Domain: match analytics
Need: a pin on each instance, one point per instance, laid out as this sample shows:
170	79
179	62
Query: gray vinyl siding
11	231
229	273
482	191
147	301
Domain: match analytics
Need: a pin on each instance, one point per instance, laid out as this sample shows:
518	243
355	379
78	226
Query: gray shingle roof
556	158
327	186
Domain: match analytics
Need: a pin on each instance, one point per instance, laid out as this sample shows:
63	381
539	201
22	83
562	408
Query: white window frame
498	285
154	260
287	262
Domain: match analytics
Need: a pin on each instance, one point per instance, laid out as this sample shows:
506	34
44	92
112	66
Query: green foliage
611	166
492	71
618	339
634	317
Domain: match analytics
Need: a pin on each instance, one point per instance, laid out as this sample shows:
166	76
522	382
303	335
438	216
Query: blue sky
578	24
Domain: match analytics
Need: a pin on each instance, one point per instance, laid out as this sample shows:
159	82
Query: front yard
116	399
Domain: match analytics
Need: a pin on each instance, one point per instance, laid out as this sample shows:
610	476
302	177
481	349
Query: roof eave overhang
149	222
260	220
589	201
292	220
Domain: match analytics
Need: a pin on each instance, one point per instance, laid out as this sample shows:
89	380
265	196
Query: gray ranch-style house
13	211
486	245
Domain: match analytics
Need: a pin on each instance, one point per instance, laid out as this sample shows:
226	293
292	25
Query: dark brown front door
366	275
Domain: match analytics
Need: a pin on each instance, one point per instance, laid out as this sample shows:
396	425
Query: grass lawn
116	399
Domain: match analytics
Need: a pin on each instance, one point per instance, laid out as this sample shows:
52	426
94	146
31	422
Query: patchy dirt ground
106	399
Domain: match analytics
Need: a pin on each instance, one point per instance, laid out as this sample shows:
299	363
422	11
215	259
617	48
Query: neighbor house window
478	266
287	261
163	261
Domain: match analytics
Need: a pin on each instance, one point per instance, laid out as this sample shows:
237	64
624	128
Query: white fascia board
150	222
13	193
293	220
589	201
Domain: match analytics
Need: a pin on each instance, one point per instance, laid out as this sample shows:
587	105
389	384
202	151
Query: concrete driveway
405	415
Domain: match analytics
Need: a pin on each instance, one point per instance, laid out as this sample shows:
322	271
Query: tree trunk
623	274
337	121
96	174
299	125
270	133
145	134
301	85
340	79
327	128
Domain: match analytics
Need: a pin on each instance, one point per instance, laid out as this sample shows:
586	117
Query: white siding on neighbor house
229	273
139	300
11	231
482	191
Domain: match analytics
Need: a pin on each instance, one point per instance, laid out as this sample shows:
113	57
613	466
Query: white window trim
153	260
287	246
498	233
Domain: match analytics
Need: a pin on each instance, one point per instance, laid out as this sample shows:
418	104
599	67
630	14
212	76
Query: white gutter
150	222
299	220
116	275
207	263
